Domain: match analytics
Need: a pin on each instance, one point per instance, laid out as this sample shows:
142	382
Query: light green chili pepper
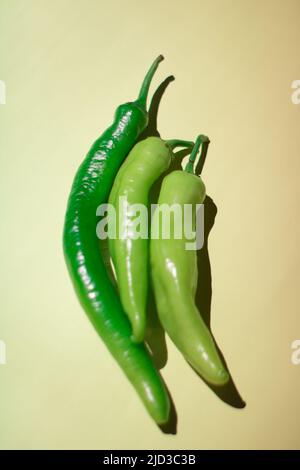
145	163
174	277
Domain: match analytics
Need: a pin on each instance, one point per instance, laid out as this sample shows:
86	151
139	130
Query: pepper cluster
117	304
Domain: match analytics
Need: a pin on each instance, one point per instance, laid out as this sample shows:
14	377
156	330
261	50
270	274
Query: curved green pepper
147	160
95	290
174	277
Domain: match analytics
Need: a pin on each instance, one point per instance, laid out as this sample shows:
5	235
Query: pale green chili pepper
174	277
147	160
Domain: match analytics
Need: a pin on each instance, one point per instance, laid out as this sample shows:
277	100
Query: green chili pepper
147	160
93	286
174	277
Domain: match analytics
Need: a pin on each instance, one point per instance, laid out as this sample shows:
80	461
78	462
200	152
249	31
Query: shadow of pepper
228	393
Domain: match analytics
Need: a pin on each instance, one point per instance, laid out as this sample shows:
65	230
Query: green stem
142	98
189	168
180	143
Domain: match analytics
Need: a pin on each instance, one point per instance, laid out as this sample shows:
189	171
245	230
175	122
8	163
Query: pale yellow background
67	64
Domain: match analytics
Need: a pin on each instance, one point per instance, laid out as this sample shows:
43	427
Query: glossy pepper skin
174	277
148	159
86	265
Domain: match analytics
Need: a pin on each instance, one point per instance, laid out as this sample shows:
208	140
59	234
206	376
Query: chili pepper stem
180	143
189	168
142	98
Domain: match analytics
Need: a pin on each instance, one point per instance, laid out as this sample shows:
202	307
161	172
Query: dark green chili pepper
93	286
174	276
148	160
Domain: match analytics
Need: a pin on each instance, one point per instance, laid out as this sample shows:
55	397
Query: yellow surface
67	64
